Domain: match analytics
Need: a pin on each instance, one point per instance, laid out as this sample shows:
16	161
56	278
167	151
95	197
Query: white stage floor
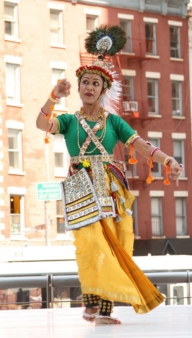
164	322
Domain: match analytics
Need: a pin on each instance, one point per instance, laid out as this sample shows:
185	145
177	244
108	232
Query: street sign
48	191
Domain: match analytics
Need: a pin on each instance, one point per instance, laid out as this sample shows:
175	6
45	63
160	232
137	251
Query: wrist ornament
167	160
53	98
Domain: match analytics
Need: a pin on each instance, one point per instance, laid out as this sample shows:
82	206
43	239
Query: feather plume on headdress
105	40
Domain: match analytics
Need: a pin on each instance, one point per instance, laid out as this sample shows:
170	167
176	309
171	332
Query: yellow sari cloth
105	266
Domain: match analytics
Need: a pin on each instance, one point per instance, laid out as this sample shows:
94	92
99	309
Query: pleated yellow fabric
105	266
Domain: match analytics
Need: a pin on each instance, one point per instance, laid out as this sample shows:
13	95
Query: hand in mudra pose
62	88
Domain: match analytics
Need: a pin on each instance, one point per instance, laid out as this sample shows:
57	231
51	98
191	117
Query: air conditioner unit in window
130	106
176	112
133	105
126	106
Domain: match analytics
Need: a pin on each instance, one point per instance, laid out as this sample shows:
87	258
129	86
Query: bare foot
89	314
102	320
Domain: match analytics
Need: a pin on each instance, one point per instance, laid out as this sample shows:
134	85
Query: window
15	152
150	36
180	206
176	98
15	213
58	74
175	42
91	22
130	168
156	170
12	83
11	20
128	88
61	156
156	216
178	151
60	219
152	87
126	26
56	27
178	295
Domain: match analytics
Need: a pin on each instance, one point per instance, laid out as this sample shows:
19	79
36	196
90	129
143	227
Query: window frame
17	84
156	143
128	89
15	34
178	48
182	157
183	216
96	21
135	217
22	218
60	144
159	228
128	48
20	155
154	39
59	216
60	28
179	83
156	97
62	102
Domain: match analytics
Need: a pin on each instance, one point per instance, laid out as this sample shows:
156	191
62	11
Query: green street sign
48	191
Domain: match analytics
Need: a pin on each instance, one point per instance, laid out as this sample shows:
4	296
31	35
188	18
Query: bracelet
43	113
153	151
167	160
54	98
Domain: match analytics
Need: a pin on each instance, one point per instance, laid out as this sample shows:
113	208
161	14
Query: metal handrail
50	281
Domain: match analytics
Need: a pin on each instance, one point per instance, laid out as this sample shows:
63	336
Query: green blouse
116	130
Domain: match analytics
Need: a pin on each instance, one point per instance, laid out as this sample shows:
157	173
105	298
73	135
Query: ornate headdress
104	41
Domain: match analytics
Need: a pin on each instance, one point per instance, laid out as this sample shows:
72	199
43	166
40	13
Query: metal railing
49	282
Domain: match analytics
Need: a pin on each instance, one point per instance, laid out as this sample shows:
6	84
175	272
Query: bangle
43	113
153	151
54	98
167	160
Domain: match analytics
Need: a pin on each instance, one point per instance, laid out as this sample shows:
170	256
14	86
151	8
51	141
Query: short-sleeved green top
116	130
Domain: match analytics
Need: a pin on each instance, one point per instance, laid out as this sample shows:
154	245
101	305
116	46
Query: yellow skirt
105	266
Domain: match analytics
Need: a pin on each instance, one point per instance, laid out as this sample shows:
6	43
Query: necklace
93	118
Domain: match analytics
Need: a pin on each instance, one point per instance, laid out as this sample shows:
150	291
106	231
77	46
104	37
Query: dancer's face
90	88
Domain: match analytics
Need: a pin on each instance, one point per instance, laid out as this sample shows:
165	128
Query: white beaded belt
92	158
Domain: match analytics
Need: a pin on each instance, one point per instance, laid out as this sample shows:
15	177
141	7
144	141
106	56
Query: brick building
43	42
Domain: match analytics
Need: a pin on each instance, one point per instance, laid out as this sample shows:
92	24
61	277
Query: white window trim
59	44
156	193
128	72
58	65
180	194
13	1
13	59
135	193
177	77
53	5
178	136
12	124
1	190
175	23
16	191
155	134
153	75
125	16
18	171
22	218
152	20
90	11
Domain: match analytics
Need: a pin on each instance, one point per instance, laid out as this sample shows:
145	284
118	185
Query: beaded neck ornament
105	41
